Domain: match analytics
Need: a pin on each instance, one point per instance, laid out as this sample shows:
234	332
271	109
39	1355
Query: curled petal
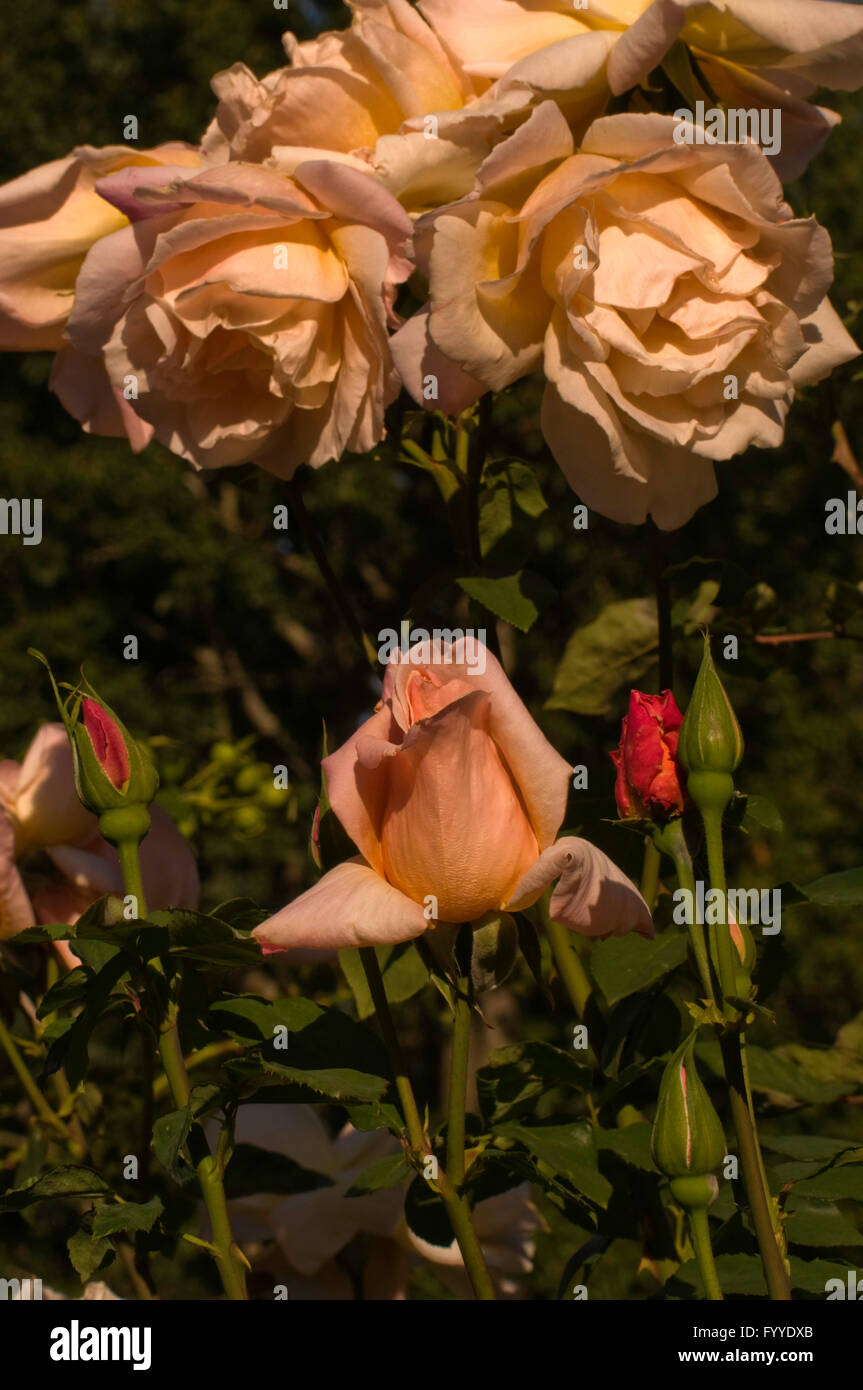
350	906
593	897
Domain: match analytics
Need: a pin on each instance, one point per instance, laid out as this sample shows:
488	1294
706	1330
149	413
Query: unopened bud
688	1139
711	743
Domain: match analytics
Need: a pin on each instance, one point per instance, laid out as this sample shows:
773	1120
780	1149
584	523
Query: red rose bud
108	744
650	781
114	774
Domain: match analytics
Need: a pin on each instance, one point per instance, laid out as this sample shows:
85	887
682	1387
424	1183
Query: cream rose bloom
343	89
752	53
49	219
672	299
244	312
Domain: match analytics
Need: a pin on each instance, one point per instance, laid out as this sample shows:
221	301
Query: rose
755	54
49	219
343	90
650	781
673	300
40	813
748	52
249	314
453	797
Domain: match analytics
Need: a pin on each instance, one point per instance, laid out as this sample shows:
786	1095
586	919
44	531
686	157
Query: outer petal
350	906
593	897
16	911
46	809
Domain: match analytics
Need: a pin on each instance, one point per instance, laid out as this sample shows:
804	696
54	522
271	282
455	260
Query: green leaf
616	649
68	1181
743	1274
844	889
387	1172
318	1042
70	1049
243	914
567	1149
514	1077
844	1181
403	969
510	505
761	811
170	1133
253	1170
806	1147
621	966
631	1143
127	1218
821	1224
87	1251
517	598
194	936
773	1074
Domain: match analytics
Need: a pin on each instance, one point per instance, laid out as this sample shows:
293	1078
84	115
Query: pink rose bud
108	743
650	781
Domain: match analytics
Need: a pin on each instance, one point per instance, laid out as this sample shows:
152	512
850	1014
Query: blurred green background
238	637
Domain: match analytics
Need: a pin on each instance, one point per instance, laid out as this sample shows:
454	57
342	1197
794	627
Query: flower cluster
236	300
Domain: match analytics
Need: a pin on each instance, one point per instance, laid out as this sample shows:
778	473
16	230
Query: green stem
456	1205
650	874
229	1260
699	1228
415	1128
720	935
455	1134
778	1281
764	1218
673	841
34	1095
456	1202
573	975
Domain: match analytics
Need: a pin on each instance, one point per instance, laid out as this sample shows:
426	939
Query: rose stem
573	975
767	1231
35	1096
674	843
699	1229
410	1111
328	574
456	1206
230	1262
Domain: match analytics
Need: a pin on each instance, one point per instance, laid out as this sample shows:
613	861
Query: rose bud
711	741
114	774
688	1139
650	781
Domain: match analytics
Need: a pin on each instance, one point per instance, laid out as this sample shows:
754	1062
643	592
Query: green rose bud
711	741
688	1139
114	774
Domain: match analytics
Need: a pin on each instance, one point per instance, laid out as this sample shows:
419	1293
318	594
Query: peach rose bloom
343	89
451	792
672	299
40	814
247	309
49	219
753	53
